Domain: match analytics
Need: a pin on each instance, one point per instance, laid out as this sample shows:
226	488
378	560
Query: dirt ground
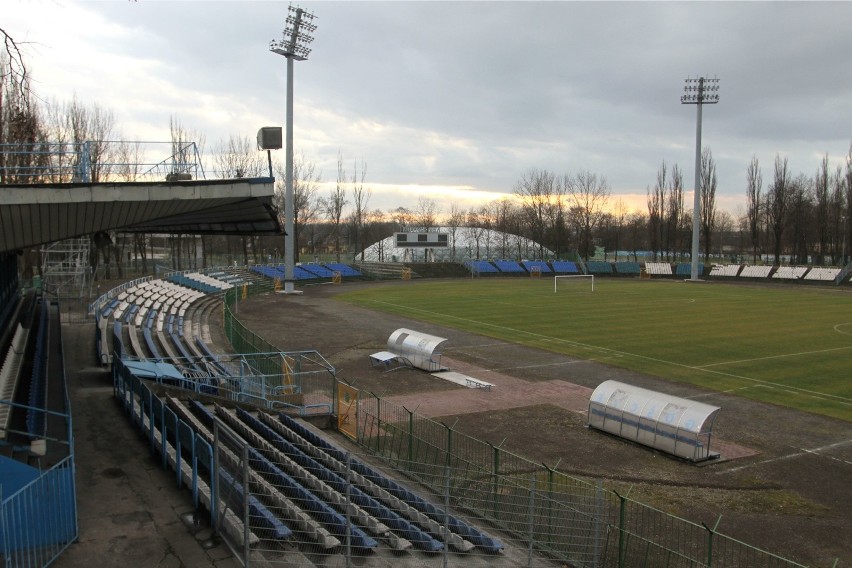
783	484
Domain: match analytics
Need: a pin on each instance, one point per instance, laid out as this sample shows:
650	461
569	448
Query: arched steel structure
671	424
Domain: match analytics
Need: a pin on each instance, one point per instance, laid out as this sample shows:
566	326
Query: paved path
129	508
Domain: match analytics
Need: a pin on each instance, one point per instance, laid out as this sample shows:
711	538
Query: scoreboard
421	240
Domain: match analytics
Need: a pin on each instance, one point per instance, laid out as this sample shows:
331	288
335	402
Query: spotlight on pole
699	91
294	46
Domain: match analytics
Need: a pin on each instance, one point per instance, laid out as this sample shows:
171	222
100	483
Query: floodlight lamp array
297	36
701	90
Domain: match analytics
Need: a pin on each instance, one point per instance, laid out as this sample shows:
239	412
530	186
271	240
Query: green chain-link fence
572	519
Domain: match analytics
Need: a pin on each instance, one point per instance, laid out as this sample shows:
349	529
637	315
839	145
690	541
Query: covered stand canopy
674	425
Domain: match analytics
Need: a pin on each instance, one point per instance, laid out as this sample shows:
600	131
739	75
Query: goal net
584	282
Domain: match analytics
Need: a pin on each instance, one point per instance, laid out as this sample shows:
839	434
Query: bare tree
754	184
847	236
800	218
835	215
360	203
778	204
674	218
334	205
708	200
237	157
426	214
588	195
306	201
619	214
537	191
474	233
656	200
822	197
403	218
454	222
13	71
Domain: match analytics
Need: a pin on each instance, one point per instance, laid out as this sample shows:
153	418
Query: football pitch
785	344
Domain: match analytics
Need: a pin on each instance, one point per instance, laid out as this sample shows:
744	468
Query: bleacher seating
598	267
564	267
751	271
318	270
542	265
822	273
481	267
790	272
658	268
193	284
626	267
509	267
685	269
345	270
725	270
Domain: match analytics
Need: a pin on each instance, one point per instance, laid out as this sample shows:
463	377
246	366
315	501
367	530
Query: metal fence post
446	516
710	534
550	472
214	479
348	511
246	513
531	522
449	443
495	477
410	436
622	539
598	520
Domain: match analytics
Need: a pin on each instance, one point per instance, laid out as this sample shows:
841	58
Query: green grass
788	345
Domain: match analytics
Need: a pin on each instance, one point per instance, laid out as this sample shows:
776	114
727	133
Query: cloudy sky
456	100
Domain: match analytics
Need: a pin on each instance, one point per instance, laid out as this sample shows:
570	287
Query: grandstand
790	272
599	267
530	265
822	274
299	479
478	267
725	270
751	271
658	268
628	268
565	267
509	267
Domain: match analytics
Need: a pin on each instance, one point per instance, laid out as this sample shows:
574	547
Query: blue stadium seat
509	266
564	267
481	266
529	264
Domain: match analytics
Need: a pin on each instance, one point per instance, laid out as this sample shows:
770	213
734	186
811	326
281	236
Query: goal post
590	277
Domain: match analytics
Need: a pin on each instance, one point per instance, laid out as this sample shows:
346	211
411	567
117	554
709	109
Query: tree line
801	219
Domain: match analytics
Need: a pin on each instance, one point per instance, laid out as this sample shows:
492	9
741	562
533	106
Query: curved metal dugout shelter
420	350
671	424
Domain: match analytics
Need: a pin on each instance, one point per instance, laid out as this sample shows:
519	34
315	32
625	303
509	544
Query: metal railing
101	161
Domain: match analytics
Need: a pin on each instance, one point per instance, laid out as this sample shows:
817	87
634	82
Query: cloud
470	94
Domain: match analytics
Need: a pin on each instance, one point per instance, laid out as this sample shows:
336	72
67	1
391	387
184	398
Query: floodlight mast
293	46
700	91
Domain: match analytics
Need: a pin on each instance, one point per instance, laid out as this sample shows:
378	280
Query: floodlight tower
294	46
700	91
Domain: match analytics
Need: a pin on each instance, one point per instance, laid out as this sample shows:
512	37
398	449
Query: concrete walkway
129	509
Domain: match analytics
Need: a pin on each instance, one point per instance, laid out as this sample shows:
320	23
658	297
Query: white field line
801	452
842	400
774	357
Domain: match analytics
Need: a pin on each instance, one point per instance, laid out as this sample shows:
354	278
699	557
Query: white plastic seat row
658	268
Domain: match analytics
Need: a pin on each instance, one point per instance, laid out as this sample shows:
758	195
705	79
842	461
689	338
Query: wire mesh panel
231	488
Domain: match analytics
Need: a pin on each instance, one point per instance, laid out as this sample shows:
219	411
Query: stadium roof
33	215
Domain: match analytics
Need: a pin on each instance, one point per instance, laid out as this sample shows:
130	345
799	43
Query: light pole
293	46
698	92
